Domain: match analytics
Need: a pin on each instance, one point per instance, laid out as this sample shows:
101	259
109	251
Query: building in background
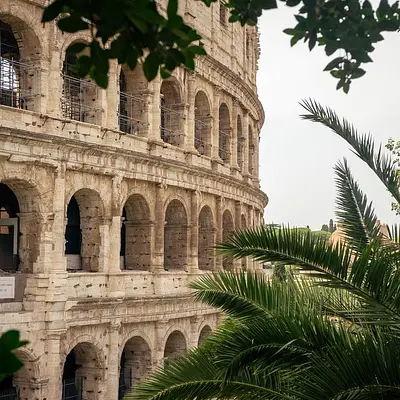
111	201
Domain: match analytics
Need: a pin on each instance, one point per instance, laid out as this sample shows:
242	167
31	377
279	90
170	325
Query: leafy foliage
330	332
132	30
10	363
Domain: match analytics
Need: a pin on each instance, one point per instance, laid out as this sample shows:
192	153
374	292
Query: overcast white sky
297	157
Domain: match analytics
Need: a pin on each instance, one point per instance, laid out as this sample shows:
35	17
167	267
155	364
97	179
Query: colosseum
111	201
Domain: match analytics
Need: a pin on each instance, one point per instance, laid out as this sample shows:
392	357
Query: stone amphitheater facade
111	201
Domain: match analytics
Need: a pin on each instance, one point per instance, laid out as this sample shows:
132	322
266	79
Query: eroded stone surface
170	167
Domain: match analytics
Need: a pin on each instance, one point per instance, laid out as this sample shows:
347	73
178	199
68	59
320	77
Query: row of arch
19	239
80	100
83	367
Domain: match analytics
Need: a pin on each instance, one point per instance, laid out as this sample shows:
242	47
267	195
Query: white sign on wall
7	287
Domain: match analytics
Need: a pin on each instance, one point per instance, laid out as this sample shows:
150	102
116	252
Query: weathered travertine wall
119	196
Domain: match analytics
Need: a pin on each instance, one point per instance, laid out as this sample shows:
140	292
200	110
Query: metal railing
125	379
240	151
170	127
224	145
201	137
9	394
76	94
130	108
16	82
72	389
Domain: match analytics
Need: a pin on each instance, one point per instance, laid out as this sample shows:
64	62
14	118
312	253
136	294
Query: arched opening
9	229
243	225
19	226
80	96
8	391
24	384
175	237
135	364
240	142
204	334
136	234
206	239
175	346
18	75
202	124
82	232
224	134
82	373
132	110
227	231
251	150
171	113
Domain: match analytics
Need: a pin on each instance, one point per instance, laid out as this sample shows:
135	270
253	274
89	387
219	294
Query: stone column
158	238
193	340
111	104
194	231
158	353
54	365
148	96
245	169
59	261
113	361
53	78
104	230
256	166
154	110
190	125
234	139
215	125
218	258
115	285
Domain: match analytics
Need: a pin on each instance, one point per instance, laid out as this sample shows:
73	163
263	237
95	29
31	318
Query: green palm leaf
363	145
353	211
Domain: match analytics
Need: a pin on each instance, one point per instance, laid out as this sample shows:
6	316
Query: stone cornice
109	152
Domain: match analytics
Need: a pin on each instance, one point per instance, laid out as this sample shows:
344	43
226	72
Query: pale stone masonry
111	201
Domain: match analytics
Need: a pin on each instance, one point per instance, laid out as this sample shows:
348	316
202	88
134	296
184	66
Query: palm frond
353	210
362	144
370	274
240	295
196	376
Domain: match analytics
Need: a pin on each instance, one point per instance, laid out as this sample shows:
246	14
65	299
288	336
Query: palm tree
331	332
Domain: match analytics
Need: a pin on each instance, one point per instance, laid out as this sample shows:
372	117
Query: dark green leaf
72	25
76	48
52	11
388	25
334	63
172	8
198	50
357	73
151	65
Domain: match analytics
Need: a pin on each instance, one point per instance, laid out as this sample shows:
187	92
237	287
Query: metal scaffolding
76	95
240	151
224	144
170	128
16	82
130	109
201	136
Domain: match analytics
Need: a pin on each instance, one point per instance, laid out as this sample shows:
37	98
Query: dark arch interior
8	45
71	387
9	229
73	233
69	62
